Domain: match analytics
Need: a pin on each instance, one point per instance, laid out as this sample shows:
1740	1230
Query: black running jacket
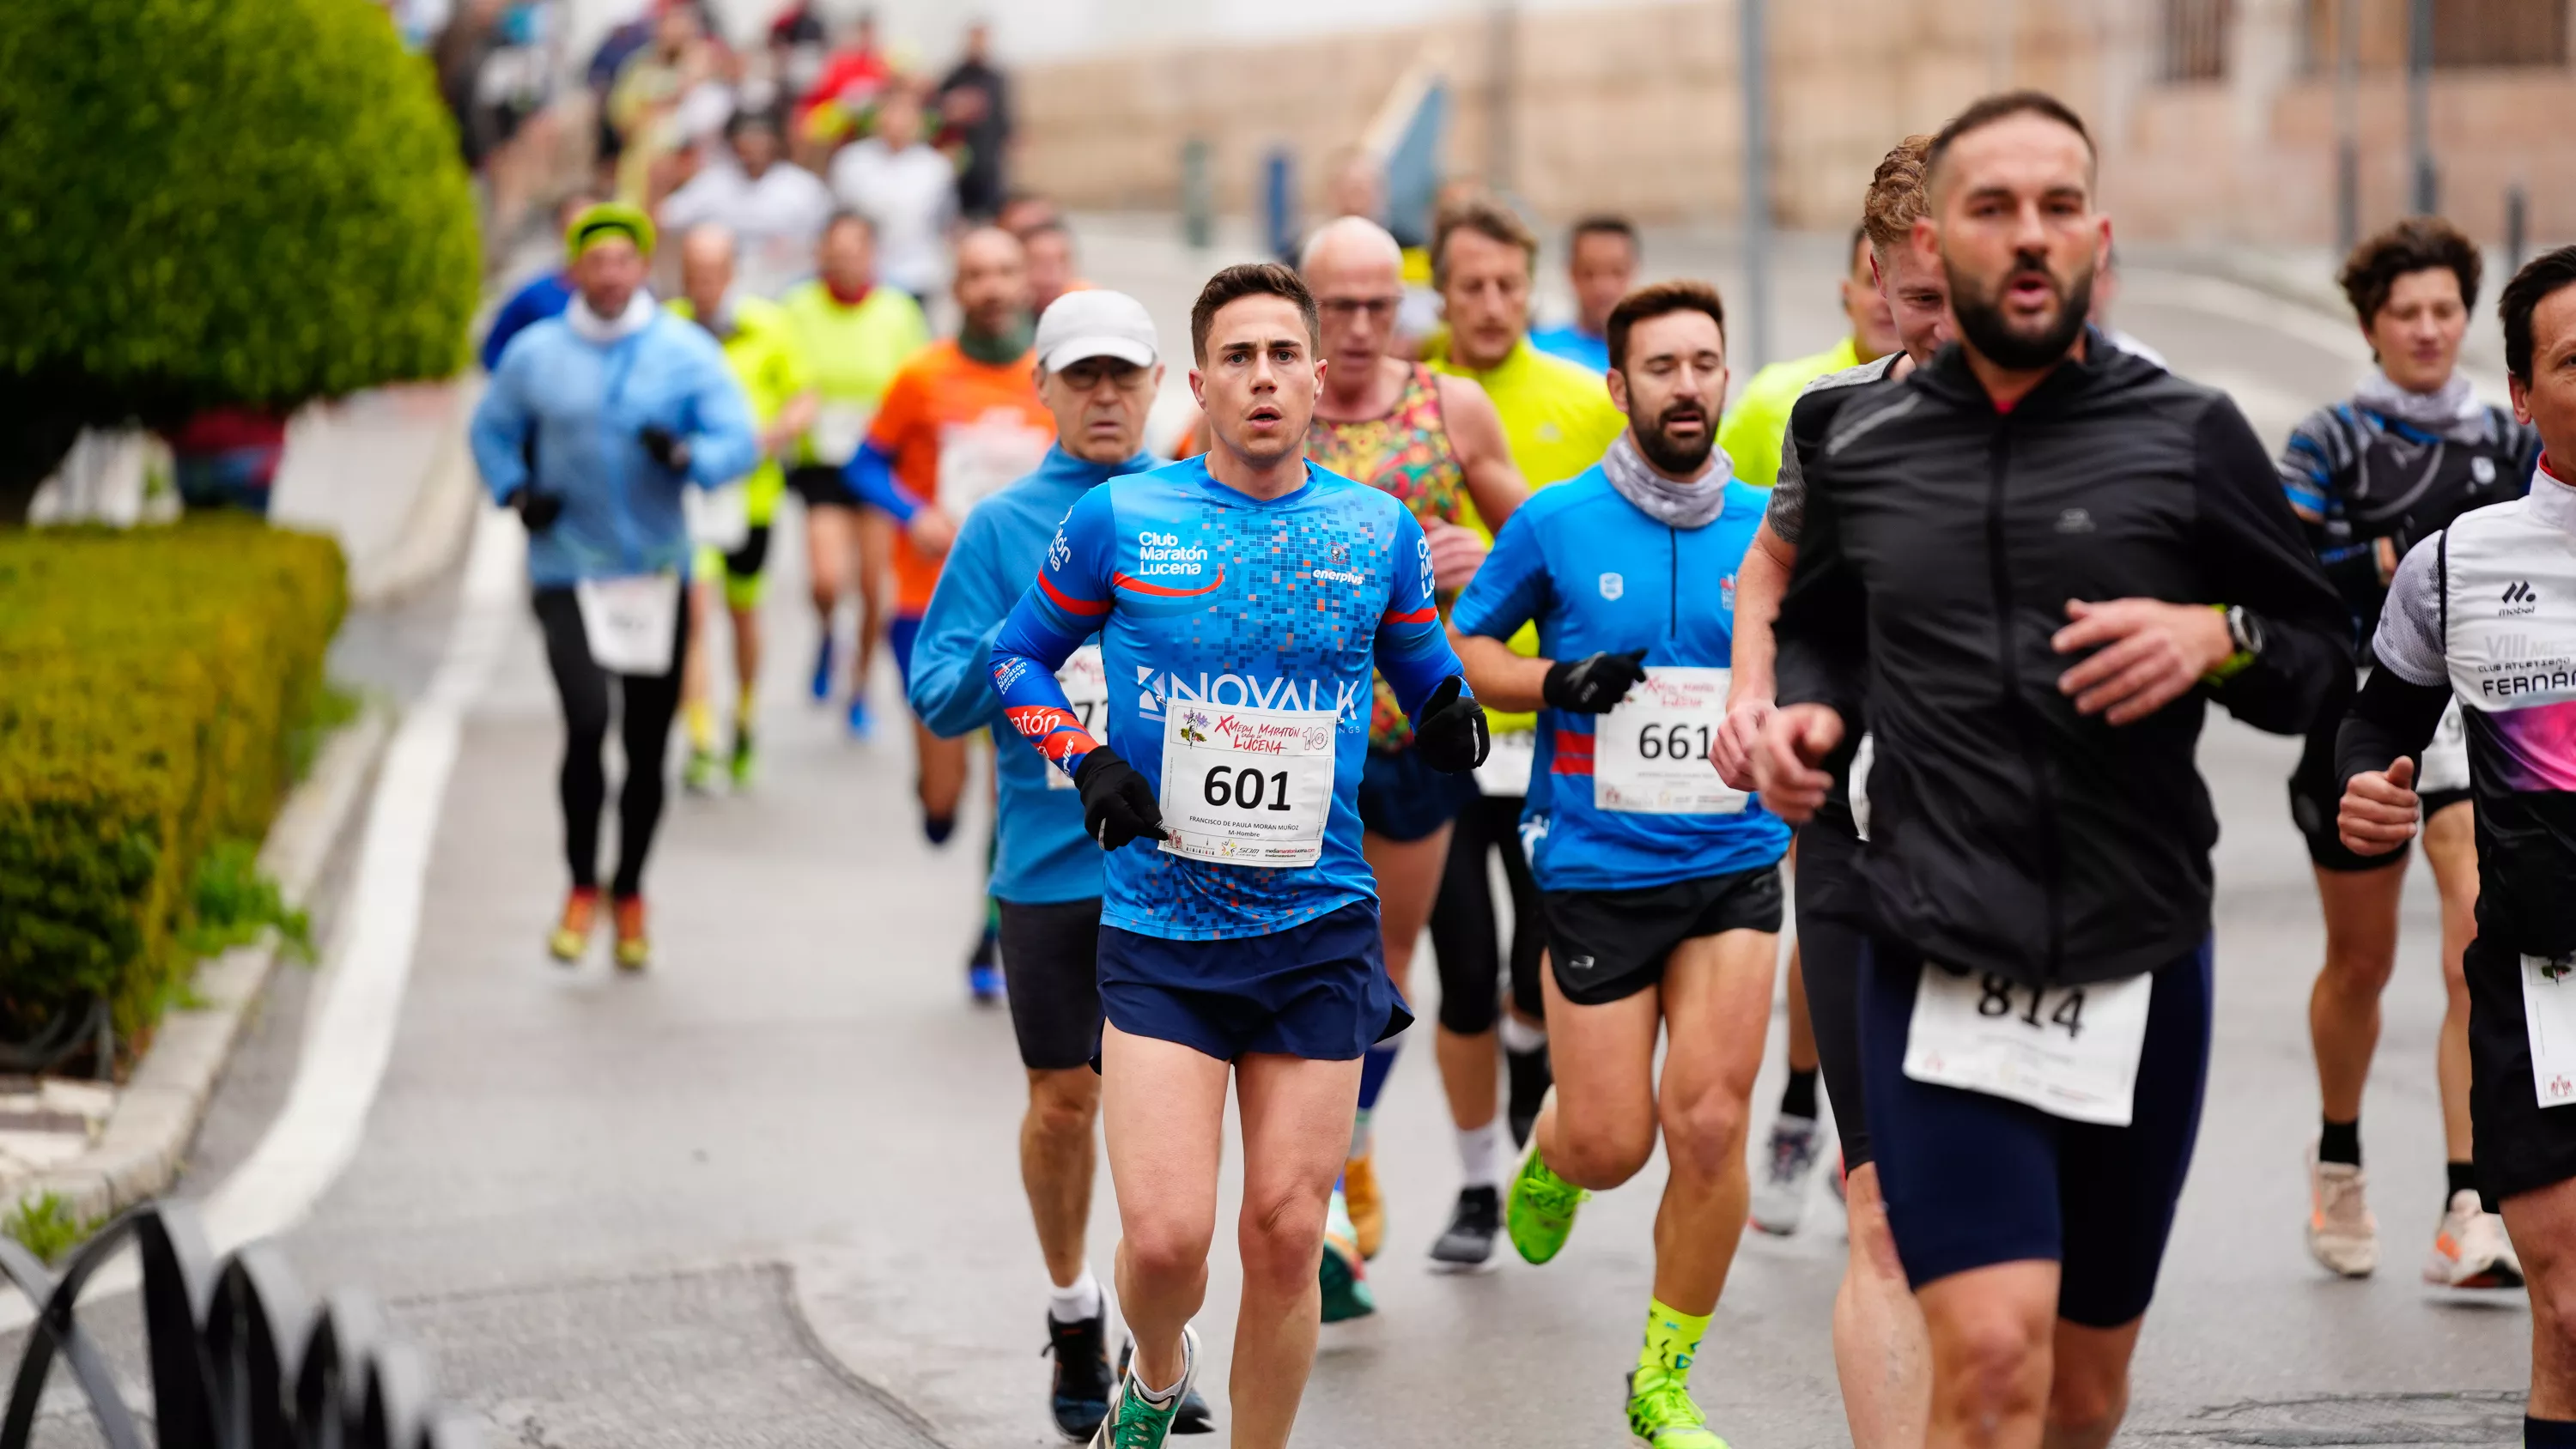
1943	539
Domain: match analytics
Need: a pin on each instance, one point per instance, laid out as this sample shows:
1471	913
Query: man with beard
1661	884
2032	563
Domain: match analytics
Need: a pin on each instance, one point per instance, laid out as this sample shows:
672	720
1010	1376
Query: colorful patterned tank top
1407	453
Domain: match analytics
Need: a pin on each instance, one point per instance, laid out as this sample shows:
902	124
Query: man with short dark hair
1661	884
774	208
1600	266
1098	365
2030	564
1240	599
2484	613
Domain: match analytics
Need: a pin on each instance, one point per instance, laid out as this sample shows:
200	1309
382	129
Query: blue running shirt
1597	574
1205	598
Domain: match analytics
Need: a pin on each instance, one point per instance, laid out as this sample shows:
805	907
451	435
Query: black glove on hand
537	510
668	448
1118	802
1593	684
1450	729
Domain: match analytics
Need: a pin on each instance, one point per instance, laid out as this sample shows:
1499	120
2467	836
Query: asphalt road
767	1194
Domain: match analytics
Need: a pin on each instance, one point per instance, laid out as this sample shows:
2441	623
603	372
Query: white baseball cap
1092	323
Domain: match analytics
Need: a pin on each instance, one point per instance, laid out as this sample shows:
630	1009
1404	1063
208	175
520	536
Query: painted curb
145	1143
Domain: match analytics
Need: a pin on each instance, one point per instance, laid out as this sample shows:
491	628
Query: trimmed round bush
217	201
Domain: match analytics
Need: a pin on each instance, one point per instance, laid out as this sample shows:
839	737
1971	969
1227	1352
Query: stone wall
1636	108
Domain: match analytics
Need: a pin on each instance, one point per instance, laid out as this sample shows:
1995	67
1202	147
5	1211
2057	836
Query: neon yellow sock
702	725
1672	1339
742	707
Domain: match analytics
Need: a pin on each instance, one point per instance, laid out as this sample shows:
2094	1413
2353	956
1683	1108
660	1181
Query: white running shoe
2342	1235
1780	1198
2470	1249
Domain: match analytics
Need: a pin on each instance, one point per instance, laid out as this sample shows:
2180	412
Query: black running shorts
1610	945
2521	1146
1051	973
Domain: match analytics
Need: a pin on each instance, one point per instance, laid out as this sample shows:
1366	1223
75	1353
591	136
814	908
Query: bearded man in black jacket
2028	566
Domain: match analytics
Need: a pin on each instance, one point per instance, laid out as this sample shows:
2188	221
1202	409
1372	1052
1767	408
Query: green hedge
220	201
155	679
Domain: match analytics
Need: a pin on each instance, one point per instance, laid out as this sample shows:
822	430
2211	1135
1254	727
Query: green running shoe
699	774
1343	1271
744	760
1137	1422
1662	1416
1540	1214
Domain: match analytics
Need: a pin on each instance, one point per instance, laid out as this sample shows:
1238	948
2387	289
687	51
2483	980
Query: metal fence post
1198	199
2347	126
2517	226
2425	182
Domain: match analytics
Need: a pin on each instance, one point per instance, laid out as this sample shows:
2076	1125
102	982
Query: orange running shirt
957	430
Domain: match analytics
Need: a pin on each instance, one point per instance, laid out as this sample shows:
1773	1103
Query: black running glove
1593	684
1449	729
668	448
537	510
1118	802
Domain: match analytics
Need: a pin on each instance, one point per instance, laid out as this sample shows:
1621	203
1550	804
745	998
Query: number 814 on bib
2070	1051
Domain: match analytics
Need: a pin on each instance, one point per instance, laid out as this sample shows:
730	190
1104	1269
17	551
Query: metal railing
240	1357
2193	39
2465	34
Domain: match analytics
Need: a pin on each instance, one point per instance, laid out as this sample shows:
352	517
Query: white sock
1520	1036
1077	1302
1165	1396
1360	1134
1480	1155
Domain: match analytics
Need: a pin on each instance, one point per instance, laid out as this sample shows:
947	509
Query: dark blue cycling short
1973	1180
1318	991
1403	798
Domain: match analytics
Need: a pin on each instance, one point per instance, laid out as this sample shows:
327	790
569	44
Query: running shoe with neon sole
634	946
1343	1272
1194	1416
1661	1414
1780	1198
571	935
2342	1235
1539	1215
1137	1422
698	772
1367	1204
822	681
2470	1249
745	762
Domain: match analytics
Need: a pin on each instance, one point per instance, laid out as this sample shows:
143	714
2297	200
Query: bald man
1435	443
960	420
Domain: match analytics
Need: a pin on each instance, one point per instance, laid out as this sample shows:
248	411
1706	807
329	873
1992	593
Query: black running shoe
1081	1396
1468	1241
1530	1079
1194	1415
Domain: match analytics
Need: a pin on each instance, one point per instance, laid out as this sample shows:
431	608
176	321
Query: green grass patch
47	1227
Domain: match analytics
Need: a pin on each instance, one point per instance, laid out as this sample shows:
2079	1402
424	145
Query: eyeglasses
1342	308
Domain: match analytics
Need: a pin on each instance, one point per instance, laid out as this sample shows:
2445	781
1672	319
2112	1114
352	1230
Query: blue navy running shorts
1318	991
1973	1180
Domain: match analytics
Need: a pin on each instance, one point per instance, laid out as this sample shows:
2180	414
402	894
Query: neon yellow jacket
1753	428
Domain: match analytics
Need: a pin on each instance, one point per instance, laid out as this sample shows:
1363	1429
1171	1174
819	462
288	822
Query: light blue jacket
578	406
1042	857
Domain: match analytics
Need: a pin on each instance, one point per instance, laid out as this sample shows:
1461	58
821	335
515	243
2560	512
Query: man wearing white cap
1097	370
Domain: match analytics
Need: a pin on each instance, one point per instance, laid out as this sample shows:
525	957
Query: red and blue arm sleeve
1412	645
1068	604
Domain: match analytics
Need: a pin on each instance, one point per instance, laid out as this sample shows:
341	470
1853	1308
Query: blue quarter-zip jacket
582	404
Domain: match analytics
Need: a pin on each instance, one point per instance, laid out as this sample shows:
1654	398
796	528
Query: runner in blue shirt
1098	368
1241	600
1662	885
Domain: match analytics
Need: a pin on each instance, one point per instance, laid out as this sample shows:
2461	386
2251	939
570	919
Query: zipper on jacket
2008	665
